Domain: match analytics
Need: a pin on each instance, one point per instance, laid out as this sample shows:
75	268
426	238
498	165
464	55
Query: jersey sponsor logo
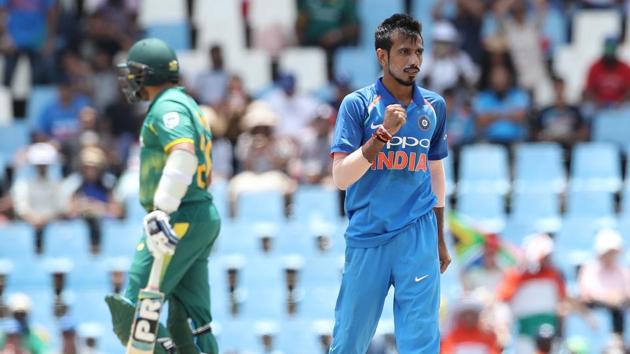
171	120
408	141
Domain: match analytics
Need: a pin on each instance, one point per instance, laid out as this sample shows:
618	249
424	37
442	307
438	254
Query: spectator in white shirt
447	66
38	200
603	281
295	110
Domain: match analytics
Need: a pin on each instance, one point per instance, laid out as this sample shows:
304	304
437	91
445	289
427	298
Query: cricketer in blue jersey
388	145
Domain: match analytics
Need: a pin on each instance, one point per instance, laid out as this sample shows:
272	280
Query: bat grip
156	273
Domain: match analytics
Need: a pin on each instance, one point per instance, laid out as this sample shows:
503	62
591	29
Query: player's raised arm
349	167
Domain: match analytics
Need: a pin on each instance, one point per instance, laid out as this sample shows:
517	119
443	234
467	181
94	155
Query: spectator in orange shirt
467	334
608	82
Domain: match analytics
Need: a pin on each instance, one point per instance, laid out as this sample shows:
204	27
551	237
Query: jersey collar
157	97
388	99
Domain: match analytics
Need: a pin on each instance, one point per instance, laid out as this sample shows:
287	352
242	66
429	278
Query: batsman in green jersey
175	167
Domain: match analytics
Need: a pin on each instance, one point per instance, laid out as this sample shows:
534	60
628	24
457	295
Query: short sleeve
520	100
439	145
348	133
172	124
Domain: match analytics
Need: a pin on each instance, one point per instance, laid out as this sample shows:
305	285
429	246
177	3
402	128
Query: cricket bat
147	317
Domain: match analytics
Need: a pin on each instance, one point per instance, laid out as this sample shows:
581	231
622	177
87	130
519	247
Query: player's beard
409	82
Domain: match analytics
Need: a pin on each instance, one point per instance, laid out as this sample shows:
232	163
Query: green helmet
150	62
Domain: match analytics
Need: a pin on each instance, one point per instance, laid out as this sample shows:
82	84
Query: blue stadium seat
265	302
483	168
576	325
41	315
120	238
372	13
423	11
134	210
612	126
318	302
596	167
590	205
238	237
516	230
539	168
261	206
177	35
488	210
295	239
29	274
315	202
91	276
90	306
449	172
17	241
237	336
12	138
573	245
262	271
219	192
40	98
67	239
358	63
321	271
298	334
541	209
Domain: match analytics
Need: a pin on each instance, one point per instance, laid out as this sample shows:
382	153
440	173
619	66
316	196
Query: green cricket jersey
173	117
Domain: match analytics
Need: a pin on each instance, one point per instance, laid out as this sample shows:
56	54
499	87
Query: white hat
41	154
258	113
19	302
608	240
537	247
444	31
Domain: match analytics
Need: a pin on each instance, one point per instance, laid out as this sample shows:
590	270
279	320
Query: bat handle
156	273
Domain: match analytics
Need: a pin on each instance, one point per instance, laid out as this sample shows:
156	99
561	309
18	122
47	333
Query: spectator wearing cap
295	110
38	200
501	109
93	198
534	291
608	80
263	156
59	120
467	333
21	337
314	163
603	281
447	66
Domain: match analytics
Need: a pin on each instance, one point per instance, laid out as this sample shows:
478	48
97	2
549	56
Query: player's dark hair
406	25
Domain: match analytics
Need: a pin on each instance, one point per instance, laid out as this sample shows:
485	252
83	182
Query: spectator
222	168
68	336
342	86
113	26
467	333
467	18
488	274
28	28
327	24
314	163
123	122
545	338
59	120
263	156
447	66
104	82
73	68
38	200
501	109
608	80
211	85
604	282
22	337
535	292
460	122
295	111
561	122
93	199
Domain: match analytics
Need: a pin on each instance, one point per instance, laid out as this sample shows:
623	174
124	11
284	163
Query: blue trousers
409	263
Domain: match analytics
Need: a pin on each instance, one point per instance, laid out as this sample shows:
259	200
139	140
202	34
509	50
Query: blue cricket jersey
396	190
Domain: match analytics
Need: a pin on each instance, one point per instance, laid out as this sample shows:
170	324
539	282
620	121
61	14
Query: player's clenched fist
395	118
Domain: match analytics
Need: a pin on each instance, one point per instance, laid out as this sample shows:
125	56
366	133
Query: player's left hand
445	258
161	239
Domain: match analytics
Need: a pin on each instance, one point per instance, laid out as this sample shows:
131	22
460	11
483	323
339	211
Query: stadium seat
318	302
42	316
134	211
372	13
541	209
67	239
261	271
297	333
176	34
237	336
315	202
358	63
539	168
321	271
13	138
91	276
238	237
39	99
191	63
253	66
597	337
573	245
307	64
90	306
516	230
596	167
153	12
264	13
17	241
590	205
590	28
449	171
264	302
219	22
487	209
612	126
250	206
6	107
422	10
483	168
119	238
219	191
295	239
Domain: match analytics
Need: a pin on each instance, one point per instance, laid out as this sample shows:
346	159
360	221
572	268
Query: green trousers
184	278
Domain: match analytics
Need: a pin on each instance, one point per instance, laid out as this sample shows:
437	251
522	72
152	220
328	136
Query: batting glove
161	239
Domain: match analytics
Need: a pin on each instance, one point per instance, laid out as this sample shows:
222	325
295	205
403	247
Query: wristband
382	134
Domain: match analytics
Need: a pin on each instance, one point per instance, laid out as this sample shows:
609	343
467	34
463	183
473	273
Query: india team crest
424	123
